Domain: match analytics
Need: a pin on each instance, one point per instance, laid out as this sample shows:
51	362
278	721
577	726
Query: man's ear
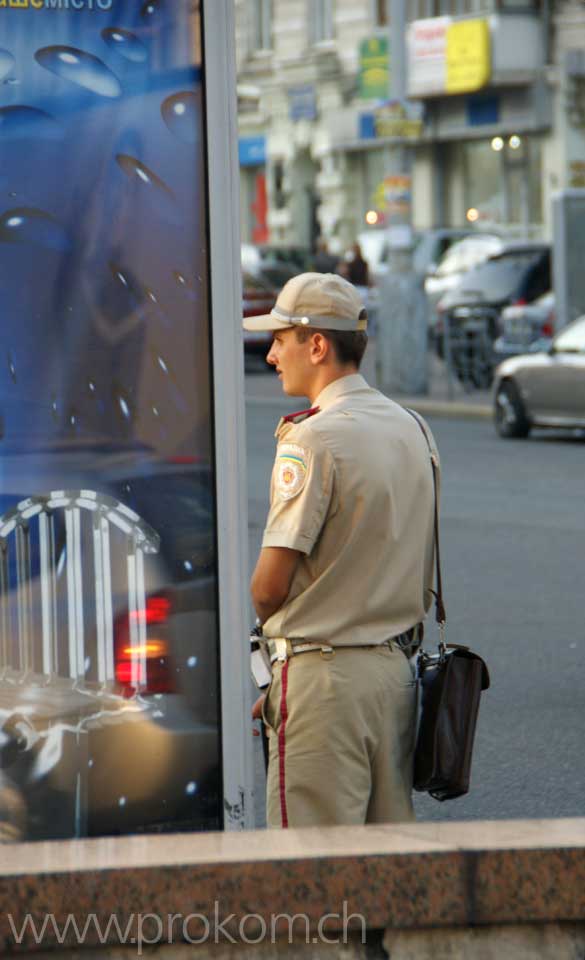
320	348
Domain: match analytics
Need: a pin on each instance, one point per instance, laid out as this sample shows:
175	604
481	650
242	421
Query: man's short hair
349	345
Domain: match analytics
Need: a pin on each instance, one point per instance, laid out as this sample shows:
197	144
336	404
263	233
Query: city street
513	535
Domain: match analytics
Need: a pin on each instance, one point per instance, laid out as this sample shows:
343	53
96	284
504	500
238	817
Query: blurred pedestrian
344	576
358	270
325	262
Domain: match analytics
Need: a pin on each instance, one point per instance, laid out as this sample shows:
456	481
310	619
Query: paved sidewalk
442	400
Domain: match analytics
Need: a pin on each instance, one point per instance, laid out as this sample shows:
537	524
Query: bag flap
467	654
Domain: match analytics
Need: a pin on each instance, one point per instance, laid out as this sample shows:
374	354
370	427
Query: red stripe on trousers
282	745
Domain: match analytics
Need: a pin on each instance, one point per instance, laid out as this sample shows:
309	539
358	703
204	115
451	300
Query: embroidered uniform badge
291	470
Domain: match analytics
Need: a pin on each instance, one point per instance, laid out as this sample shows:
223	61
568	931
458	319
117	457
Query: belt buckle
278	649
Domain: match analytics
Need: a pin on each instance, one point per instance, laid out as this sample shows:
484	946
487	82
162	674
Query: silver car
543	389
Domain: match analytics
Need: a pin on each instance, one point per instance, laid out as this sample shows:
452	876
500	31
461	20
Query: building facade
492	119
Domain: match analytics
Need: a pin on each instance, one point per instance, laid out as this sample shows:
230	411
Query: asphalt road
513	544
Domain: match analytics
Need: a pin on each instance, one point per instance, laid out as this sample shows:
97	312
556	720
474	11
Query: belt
280	648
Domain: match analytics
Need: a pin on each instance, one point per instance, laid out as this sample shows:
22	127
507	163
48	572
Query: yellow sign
468	56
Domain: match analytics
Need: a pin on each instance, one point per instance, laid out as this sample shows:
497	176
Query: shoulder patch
301	415
291	470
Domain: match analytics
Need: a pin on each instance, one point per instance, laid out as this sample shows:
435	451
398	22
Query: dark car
545	389
259	297
470	315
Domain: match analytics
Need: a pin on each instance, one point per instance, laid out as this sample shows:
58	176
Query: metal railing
469	353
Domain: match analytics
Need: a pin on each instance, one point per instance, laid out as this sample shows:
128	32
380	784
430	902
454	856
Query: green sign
374	75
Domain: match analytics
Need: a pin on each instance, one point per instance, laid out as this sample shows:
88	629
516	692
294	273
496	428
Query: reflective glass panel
109	693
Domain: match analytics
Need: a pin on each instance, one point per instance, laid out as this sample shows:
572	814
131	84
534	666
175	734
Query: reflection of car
543	389
526	327
459	258
470	314
108	701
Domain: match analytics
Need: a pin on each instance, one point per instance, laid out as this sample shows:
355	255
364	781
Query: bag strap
440	612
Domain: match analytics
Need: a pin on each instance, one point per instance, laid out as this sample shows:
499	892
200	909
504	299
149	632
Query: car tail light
548	327
147	666
520	302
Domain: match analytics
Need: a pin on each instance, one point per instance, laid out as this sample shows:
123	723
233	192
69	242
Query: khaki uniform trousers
341	731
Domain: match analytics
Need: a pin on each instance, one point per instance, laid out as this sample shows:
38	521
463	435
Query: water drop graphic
125	43
28	123
122	403
191	788
6	63
91	386
122	802
192	662
11	366
182	115
188	566
153	189
187	285
81	68
30	225
150	8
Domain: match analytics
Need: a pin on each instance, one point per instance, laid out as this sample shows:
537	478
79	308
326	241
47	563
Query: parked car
431	245
470	315
526	327
259	297
299	259
545	389
460	257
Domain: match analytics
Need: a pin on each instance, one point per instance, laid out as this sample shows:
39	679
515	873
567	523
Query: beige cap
320	300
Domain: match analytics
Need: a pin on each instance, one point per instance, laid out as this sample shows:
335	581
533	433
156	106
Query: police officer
344	576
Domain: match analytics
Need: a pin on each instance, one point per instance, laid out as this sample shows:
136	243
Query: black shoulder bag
450	686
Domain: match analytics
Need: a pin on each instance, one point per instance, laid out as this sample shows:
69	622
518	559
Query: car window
572	340
500	277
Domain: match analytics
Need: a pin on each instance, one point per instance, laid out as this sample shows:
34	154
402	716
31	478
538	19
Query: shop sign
252	151
468	56
393	197
374	68
427	56
448	56
302	102
399	119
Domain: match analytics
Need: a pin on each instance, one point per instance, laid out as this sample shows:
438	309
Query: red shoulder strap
301	415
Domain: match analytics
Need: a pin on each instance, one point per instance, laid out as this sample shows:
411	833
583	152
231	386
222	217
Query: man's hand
257	712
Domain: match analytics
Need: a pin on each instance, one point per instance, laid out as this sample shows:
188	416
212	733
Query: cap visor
266	322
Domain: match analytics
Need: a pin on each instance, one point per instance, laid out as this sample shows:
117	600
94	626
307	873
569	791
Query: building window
381	14
261	23
321	20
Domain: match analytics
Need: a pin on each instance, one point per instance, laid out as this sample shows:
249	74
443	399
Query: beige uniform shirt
352	490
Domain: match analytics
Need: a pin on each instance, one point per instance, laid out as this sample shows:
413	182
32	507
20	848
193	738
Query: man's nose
270	358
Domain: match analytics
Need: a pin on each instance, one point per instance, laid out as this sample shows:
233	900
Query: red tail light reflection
146	667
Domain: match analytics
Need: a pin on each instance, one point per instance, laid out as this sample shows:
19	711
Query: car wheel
509	413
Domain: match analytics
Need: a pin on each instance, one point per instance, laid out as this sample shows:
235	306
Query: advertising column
110	673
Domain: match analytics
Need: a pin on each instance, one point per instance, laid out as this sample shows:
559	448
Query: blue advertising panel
109	650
